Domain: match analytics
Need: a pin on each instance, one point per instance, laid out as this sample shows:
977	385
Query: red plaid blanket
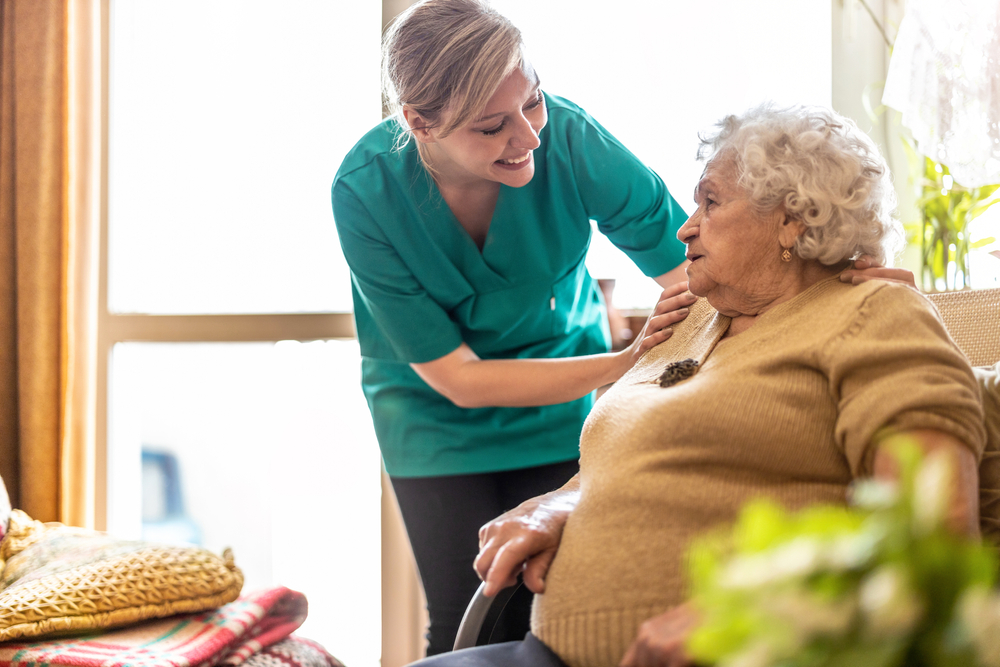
229	635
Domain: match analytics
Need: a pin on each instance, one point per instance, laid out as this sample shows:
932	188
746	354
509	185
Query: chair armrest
481	615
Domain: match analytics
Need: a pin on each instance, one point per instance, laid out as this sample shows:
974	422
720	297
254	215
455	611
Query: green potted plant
946	211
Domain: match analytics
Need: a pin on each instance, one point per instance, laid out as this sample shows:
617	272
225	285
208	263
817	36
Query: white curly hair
821	169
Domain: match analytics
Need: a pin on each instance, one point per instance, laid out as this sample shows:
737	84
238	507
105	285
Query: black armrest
485	622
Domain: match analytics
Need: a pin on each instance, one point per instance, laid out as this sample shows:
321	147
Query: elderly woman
782	382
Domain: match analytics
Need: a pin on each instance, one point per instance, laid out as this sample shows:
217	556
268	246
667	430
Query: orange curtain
33	250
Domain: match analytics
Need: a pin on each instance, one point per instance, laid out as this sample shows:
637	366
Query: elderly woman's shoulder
834	309
884	294
887	293
879	309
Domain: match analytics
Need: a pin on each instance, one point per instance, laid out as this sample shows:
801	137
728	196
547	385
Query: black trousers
443	516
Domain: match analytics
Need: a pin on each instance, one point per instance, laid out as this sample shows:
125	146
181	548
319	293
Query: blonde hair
822	169
446	54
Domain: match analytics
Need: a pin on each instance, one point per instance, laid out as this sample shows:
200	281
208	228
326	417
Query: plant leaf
981	208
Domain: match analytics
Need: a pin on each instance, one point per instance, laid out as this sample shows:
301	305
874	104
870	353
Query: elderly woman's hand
660	642
525	539
865	269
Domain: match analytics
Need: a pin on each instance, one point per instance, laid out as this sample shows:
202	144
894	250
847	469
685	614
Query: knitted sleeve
895	368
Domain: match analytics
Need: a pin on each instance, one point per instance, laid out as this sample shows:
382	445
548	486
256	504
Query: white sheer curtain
944	76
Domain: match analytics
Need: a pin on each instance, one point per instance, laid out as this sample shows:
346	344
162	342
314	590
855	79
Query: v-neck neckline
446	220
461	228
457	227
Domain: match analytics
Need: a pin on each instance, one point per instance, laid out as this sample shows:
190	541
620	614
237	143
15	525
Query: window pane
274	456
228	120
984	262
655	73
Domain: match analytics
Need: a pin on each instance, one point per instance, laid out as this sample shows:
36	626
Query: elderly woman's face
731	248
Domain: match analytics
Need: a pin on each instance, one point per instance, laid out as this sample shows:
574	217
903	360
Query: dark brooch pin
677	371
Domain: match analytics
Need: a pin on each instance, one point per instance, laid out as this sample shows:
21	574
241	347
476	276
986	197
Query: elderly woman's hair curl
821	169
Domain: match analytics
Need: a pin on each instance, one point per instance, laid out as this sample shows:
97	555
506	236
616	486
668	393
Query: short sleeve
628	200
895	368
417	327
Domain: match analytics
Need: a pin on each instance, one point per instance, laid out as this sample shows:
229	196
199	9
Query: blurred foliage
883	583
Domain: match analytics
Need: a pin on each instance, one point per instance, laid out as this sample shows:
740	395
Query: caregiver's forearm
673	276
471	382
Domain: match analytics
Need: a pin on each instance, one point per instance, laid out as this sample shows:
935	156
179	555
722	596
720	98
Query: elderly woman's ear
789	230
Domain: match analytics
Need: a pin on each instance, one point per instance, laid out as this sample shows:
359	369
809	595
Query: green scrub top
422	287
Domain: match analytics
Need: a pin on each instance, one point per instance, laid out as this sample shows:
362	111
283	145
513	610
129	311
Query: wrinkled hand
671	308
524	540
660	642
865	269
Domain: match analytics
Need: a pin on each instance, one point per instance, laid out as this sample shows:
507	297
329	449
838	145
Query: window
227	120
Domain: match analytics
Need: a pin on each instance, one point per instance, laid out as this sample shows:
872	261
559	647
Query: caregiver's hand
525	539
660	641
865	269
671	308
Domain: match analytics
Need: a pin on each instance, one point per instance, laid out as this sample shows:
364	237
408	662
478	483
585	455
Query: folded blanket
293	652
229	635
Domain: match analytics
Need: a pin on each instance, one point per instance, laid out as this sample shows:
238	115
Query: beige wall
404	611
389	10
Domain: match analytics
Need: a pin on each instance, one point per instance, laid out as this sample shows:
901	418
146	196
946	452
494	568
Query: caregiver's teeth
518	160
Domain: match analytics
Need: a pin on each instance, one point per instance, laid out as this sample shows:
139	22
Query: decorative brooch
677	371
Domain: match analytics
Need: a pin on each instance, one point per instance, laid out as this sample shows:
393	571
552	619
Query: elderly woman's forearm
963	511
560	501
552	509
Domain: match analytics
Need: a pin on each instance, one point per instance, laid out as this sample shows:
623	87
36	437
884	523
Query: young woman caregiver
465	220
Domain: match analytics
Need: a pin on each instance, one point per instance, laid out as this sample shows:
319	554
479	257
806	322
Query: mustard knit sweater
787	409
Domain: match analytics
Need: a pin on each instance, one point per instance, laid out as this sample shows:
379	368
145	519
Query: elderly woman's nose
688	230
